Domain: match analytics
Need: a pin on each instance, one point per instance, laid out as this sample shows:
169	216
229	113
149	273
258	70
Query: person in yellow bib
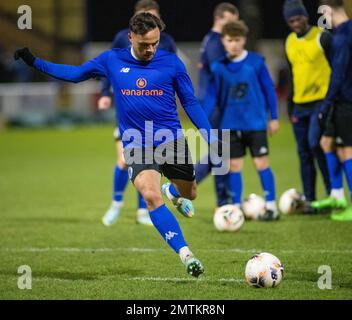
308	51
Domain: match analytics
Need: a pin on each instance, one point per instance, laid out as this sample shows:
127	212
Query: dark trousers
307	133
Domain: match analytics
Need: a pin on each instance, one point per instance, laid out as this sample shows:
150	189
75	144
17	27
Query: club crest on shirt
141	83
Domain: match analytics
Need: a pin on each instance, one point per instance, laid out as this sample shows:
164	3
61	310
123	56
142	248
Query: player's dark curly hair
144	22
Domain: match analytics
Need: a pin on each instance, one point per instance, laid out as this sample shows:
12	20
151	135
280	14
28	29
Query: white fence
45	100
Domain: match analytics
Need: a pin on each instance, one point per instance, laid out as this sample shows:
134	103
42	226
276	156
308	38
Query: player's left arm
91	69
185	91
268	88
340	61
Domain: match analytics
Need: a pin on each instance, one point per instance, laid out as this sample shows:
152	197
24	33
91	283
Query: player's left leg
259	147
337	199
346	215
180	171
181	193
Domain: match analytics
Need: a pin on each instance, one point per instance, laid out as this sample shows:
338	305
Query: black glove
25	55
322	116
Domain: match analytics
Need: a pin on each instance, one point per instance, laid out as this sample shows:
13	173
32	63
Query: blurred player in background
246	93
339	99
308	50
122	41
212	49
139	100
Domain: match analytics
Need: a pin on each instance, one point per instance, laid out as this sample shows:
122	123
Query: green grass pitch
55	185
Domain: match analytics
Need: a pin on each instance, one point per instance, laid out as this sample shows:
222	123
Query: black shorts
173	160
117	134
329	130
343	124
256	141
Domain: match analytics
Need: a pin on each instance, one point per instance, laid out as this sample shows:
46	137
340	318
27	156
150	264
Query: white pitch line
158	279
152	250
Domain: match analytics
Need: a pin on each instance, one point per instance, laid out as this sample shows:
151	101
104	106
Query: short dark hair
144	22
235	29
333	3
146	5
223	7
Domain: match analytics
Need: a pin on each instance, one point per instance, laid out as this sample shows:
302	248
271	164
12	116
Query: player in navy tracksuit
122	41
212	49
145	81
339	99
245	91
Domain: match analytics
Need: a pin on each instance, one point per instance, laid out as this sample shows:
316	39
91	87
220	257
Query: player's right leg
337	199
203	169
237	153
343	121
346	158
119	185
147	181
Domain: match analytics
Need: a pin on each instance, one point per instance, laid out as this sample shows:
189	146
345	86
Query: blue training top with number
245	93
144	91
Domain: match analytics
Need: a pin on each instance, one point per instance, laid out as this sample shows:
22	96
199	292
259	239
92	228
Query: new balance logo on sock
170	235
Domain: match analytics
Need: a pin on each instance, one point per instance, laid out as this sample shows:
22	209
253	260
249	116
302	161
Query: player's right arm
91	69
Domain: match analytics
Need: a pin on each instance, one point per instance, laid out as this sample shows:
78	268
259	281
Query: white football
228	218
253	207
264	270
290	201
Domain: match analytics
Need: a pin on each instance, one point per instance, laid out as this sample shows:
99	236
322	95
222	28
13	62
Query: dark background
189	20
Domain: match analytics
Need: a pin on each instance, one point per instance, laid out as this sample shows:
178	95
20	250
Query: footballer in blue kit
245	92
120	178
145	81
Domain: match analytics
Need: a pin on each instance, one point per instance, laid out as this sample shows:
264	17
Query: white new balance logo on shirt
125	70
170	235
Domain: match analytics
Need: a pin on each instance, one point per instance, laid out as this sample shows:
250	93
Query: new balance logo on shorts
170	235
